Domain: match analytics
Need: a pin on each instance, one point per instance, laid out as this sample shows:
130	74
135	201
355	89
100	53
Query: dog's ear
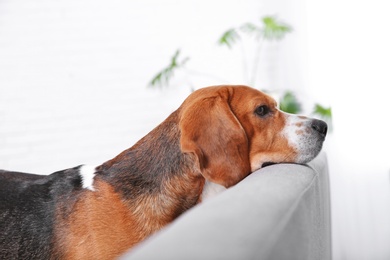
211	131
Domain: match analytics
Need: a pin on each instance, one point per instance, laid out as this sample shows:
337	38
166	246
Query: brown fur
214	135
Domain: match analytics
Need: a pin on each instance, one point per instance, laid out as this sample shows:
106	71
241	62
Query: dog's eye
262	110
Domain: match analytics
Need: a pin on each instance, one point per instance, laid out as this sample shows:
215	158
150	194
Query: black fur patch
27	210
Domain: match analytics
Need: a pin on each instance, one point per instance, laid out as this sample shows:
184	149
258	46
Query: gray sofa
279	212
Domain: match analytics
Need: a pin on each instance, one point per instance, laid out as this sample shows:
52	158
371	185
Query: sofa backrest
279	212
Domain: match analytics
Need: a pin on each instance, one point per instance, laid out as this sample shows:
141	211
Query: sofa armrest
279	212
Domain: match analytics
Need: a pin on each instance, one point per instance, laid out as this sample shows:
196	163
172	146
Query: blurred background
75	85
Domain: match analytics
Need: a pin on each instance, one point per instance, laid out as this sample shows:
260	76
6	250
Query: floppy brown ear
210	130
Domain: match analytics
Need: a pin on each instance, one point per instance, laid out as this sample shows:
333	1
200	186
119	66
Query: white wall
349	59
73	76
73	73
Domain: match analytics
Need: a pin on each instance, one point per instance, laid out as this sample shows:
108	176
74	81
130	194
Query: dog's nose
320	126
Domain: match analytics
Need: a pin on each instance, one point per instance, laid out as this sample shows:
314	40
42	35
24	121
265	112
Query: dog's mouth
267	164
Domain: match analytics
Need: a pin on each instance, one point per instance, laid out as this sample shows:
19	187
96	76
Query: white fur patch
87	173
300	136
294	124
211	189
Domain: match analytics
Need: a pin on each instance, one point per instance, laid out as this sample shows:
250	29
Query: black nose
320	126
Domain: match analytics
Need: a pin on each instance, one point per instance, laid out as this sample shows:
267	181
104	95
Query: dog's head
235	130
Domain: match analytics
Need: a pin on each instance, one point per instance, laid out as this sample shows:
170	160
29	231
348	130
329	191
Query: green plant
269	29
289	103
164	76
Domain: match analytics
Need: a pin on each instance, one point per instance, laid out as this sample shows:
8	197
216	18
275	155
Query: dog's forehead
234	94
252	97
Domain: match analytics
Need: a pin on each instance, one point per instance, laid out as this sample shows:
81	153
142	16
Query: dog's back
27	211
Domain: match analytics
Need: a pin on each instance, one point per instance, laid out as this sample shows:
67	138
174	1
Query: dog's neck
154	177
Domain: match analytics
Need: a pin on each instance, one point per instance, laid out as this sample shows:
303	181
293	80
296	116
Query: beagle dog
217	137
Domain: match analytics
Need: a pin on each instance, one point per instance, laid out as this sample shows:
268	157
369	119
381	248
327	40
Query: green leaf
274	29
229	37
164	76
249	28
322	111
289	103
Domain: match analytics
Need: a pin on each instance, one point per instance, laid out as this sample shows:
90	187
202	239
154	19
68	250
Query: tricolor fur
216	138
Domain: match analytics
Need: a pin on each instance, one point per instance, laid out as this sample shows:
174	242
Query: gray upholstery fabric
279	212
